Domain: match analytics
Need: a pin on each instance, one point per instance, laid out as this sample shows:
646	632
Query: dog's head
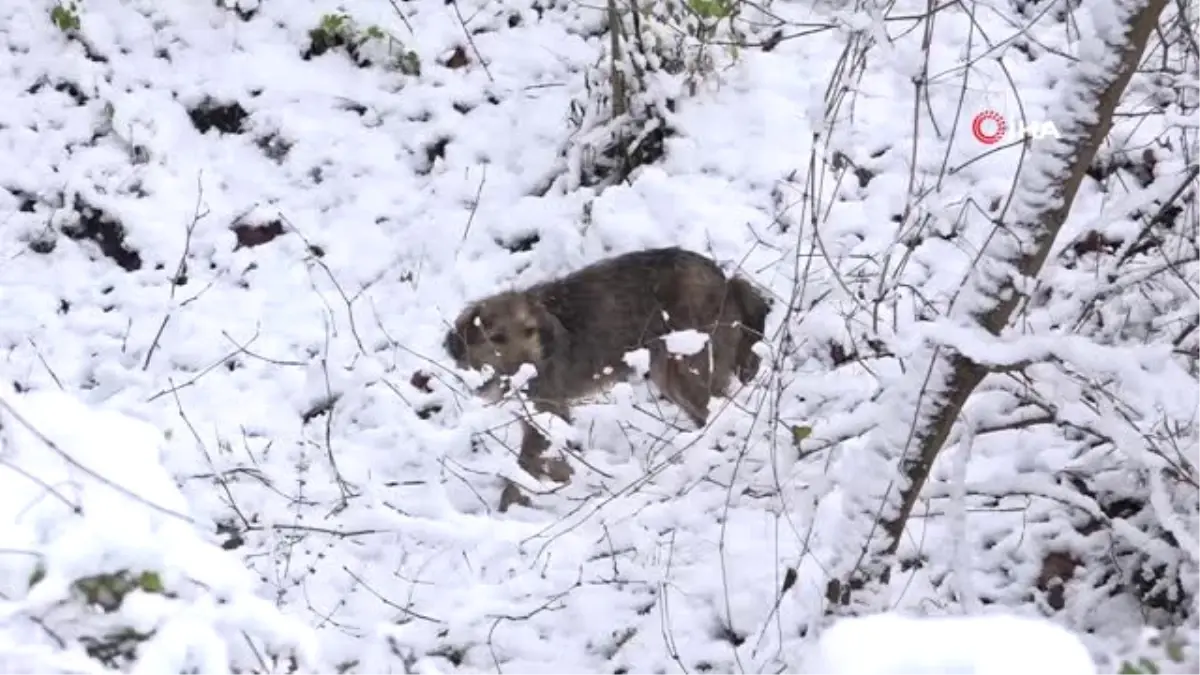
503	332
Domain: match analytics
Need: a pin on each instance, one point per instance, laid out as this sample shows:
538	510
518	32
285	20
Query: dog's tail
753	309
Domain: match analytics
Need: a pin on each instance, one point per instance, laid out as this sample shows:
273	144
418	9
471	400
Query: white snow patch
639	360
891	644
685	342
525	373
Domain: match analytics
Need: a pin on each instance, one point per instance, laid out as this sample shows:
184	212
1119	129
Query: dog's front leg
534	445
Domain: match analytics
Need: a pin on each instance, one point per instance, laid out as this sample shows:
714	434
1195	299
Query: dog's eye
498	338
530	330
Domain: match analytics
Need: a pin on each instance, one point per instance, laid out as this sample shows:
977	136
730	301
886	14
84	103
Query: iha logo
989	126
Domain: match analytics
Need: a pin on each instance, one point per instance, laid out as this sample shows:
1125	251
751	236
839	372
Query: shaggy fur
577	329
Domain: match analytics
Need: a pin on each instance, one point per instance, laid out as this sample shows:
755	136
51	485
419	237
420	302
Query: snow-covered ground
67	498
276	296
981	644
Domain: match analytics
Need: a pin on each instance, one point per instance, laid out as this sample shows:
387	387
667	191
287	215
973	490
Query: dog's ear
468	327
454	345
551	335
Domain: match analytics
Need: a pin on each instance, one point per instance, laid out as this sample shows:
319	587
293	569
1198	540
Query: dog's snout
455	346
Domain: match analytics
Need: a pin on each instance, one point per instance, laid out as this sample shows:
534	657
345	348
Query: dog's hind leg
683	380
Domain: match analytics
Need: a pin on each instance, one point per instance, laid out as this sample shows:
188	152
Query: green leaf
1175	651
711	9
334	24
65	18
800	432
409	63
1128	668
150	582
109	590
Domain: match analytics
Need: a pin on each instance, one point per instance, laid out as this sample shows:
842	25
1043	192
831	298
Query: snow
638	360
331	485
64	491
889	643
685	342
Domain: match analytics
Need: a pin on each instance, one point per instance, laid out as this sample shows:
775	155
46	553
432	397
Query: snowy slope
313	251
256	335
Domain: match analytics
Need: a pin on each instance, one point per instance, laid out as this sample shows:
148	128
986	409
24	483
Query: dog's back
623	303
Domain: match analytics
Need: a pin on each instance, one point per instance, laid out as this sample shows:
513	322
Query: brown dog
577	330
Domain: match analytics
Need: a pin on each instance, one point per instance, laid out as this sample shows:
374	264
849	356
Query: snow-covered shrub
365	45
656	52
1157	651
102	567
